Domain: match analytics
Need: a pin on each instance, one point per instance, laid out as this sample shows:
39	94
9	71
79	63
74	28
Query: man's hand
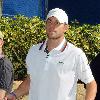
10	97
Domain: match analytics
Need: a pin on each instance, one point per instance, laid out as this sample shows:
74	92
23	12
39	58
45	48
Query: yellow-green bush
22	32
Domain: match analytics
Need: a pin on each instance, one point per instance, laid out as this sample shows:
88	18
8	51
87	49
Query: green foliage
86	37
22	32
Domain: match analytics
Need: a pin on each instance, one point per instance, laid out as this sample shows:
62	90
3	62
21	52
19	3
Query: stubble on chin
54	37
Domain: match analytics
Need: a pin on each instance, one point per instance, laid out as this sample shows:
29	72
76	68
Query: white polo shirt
54	75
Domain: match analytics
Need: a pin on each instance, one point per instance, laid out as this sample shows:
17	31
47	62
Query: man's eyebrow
49	19
56	20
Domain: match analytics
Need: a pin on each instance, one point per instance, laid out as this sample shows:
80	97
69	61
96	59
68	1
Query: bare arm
2	94
23	89
91	89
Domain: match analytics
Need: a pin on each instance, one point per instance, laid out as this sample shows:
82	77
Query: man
6	72
95	67
55	65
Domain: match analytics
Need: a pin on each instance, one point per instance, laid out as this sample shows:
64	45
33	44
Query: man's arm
91	89
23	89
2	94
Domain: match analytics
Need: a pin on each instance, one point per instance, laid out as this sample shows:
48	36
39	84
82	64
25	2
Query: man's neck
0	51
53	43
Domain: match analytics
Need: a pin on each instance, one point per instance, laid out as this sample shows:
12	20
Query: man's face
54	28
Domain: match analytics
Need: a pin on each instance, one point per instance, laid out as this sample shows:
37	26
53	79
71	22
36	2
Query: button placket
47	62
47	56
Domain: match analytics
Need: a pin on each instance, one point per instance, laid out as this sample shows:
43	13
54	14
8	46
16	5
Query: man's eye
57	23
48	21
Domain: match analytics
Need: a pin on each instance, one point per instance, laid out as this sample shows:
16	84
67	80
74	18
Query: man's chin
53	37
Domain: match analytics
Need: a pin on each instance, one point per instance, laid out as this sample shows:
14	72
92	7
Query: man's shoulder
6	62
35	47
74	48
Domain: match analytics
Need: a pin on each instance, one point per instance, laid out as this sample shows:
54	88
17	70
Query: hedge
21	32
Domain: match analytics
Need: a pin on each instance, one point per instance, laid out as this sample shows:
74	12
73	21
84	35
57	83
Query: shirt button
47	56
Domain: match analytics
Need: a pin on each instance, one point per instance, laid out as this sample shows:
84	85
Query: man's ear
66	27
1	43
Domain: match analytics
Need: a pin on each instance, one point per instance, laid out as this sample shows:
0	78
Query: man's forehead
53	19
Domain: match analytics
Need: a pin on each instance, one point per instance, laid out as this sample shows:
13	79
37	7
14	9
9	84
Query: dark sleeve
6	74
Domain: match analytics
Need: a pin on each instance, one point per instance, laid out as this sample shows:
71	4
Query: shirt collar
59	47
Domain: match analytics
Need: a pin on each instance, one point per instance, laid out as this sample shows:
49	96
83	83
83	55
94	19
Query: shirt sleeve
6	75
83	69
29	60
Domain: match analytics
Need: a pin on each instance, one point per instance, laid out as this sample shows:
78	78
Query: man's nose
52	25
